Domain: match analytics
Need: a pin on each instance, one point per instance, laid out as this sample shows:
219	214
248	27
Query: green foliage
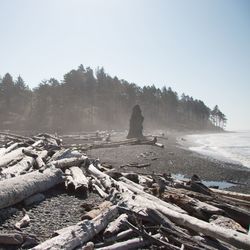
85	100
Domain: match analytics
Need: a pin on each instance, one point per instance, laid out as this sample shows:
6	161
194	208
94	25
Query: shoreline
174	159
217	147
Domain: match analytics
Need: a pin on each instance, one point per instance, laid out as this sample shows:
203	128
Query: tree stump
135	124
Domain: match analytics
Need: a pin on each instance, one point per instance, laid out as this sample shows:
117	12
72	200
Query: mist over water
231	147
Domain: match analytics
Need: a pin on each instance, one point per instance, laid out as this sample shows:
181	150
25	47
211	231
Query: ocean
230	147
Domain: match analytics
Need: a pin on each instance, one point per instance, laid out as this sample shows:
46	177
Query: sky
197	47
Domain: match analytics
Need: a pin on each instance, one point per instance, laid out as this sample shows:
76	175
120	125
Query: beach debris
24	222
137	210
136	165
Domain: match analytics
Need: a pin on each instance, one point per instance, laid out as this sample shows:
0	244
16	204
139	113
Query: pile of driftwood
138	211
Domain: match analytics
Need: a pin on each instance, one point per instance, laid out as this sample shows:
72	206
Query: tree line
89	100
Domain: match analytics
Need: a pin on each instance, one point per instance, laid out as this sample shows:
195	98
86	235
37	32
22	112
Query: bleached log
132	141
40	163
106	180
116	226
97	182
152	239
160	145
120	236
129	182
240	196
27	185
11	147
7	158
29	152
40	159
242	216
81	233
193	206
135	243
100	191
96	211
34	199
153	198
79	180
230	236
68	162
223	221
17	136
22	166
88	246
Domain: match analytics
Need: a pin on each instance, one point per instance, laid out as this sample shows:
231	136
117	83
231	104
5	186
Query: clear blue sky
199	47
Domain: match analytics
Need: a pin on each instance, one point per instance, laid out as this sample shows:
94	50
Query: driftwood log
230	236
77	180
81	233
27	185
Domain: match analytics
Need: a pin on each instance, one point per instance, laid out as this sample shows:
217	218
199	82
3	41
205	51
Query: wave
230	147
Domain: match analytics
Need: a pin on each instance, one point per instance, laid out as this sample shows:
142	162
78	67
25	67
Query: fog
90	100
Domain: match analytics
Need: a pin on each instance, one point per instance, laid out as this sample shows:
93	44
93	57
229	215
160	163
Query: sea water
231	147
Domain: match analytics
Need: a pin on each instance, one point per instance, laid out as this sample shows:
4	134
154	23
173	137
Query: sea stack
135	123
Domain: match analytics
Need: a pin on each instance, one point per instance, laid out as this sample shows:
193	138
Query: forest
88	100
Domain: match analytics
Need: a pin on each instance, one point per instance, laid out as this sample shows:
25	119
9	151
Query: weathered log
116	226
174	233
240	196
232	237
129	182
79	180
106	180
68	162
132	141
160	145
120	236
7	158
27	185
88	246
193	206
30	153
99	191
238	214
136	165
11	147
40	163
135	243
151	238
225	222
81	233
97	211
22	166
153	198
34	199
17	136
